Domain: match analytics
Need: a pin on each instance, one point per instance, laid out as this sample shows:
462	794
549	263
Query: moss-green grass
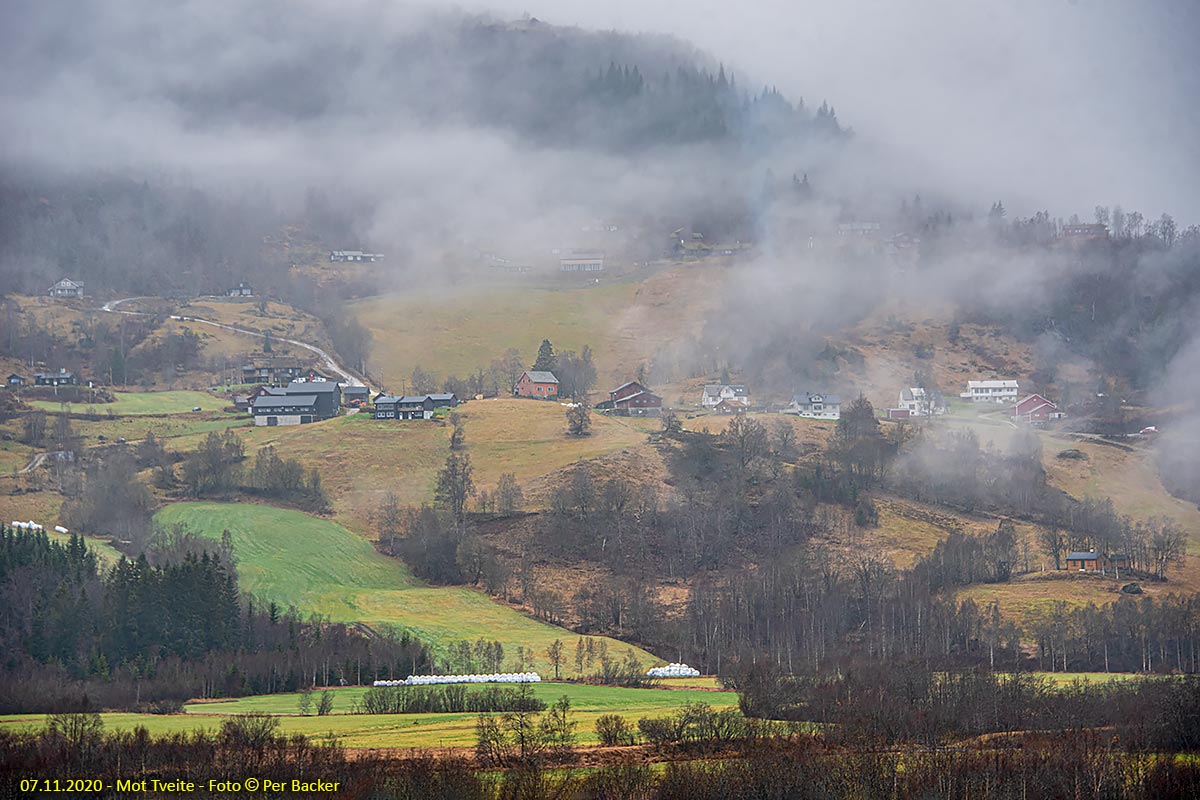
176	402
405	730
320	567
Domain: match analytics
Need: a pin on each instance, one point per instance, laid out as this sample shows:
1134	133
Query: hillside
319	567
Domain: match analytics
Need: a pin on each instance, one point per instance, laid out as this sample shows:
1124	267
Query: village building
919	402
815	405
275	371
1036	410
1084	231
67	288
581	262
328	394
632	399
60	378
356	395
14	381
241	290
289	409
1000	391
1089	561
714	393
537	383
355	255
859	230
389	406
731	405
444	399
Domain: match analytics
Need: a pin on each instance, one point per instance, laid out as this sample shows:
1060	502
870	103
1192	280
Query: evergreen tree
546	361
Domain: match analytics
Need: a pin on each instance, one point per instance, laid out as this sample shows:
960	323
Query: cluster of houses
61	377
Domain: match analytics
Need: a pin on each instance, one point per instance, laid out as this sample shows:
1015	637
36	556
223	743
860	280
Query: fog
1045	104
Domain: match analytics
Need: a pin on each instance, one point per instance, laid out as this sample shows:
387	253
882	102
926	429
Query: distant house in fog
1036	410
355	255
1083	231
921	403
14	381
1002	391
714	393
579	261
60	378
241	290
815	405
67	288
632	399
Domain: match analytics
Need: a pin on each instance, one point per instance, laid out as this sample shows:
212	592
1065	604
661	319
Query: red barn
634	399
1036	409
537	383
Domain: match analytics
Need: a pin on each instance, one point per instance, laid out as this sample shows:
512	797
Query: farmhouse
816	405
14	381
1085	230
60	378
714	393
632	399
355	394
1036	410
328	394
581	262
276	371
921	403
355	255
444	400
241	290
291	409
388	406
537	383
1000	391
731	405
67	288
1089	561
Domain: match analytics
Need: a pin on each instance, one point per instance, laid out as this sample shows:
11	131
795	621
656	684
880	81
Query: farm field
320	567
525	437
456	331
134	403
405	730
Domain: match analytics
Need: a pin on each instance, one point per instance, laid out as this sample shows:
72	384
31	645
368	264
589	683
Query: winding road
348	377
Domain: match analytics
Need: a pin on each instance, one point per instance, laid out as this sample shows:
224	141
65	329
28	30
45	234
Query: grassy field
319	566
133	403
406	730
458	330
361	459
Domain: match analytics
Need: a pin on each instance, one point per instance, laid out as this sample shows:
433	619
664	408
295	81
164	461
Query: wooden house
537	383
1036	410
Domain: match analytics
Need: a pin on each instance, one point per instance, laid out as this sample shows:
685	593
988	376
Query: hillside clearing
135	403
318	566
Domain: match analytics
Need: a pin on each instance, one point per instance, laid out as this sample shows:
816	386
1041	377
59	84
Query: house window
272	420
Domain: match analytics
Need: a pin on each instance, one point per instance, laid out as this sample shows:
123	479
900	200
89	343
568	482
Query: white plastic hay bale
61	529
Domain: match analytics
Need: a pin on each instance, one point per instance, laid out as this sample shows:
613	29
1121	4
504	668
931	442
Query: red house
537	383
633	399
1036	409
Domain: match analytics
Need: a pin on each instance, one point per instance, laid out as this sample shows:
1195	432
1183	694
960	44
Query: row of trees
173	630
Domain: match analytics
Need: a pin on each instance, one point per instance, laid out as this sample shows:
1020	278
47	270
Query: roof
992	385
647	393
738	389
1081	556
387	398
284	401
624	385
804	398
355	390
69	282
62	373
311	387
412	398
541	376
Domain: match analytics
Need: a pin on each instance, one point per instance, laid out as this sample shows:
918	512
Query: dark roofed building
60	378
444	399
351	394
14	381
1089	561
328	394
632	399
289	409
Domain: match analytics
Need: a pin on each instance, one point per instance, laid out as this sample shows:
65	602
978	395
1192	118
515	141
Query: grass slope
320	567
132	403
405	730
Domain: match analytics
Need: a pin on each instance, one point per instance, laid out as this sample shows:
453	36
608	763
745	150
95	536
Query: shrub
614	731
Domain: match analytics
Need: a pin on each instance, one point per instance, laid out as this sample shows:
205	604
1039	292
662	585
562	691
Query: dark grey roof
442	396
541	376
284	401
1082	556
413	398
739	389
355	390
311	387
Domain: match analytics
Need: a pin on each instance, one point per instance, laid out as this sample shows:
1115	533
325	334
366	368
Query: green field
177	402
320	567
405	730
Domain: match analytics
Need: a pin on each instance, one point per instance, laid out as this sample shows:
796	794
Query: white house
714	393
67	288
1002	391
920	403
579	261
815	405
